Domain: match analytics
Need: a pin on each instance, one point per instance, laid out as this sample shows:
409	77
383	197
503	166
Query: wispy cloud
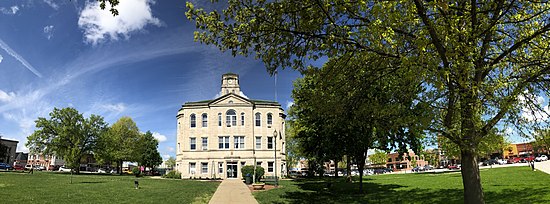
19	58
171	149
6	97
159	137
100	25
289	104
48	31
9	11
1	58
52	4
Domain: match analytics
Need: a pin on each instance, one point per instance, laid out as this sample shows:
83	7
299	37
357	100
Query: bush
249	170
136	171
172	174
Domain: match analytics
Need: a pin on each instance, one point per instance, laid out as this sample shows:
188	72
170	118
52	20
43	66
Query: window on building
223	142
270	167
231	118
269	119
258	119
220	119
204	167
192	168
220	167
193	143
242	164
389	159
258	163
242	119
193	121
258	142
179	148
269	142
204	143
204	120
239	142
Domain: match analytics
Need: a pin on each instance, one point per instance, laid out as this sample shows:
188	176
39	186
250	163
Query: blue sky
143	64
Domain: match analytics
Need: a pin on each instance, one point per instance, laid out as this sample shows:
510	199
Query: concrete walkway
233	191
543	166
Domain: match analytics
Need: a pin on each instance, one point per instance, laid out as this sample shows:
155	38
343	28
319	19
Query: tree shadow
320	191
87	182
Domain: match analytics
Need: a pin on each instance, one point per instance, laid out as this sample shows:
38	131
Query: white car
64	169
102	171
502	161
541	158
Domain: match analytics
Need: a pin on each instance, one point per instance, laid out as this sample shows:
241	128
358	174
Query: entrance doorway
231	169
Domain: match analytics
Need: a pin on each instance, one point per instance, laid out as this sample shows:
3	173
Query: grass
47	187
501	185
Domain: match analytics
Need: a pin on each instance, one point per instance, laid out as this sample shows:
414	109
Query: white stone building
215	138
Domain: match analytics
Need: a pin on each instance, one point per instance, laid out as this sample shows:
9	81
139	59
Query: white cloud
19	58
1	58
52	4
9	11
171	149
48	31
6	97
289	104
99	25
159	137
115	108
166	156
533	100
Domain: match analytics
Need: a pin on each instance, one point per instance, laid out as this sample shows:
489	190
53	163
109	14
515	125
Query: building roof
9	140
253	101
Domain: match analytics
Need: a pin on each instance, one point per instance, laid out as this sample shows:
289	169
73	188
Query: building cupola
230	84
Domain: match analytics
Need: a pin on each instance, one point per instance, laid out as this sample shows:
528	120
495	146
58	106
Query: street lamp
275	162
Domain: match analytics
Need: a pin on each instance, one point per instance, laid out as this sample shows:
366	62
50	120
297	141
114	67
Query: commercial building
11	147
215	138
405	161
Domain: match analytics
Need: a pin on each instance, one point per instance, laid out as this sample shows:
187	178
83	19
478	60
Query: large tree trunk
473	193
361	167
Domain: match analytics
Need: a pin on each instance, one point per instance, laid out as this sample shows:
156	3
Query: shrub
172	174
136	171
249	170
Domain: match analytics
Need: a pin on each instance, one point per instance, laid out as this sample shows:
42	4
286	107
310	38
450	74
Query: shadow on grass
88	182
319	191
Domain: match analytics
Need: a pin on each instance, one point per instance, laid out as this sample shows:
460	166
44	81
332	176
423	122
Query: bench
270	179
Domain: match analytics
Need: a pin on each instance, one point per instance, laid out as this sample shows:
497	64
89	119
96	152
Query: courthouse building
215	138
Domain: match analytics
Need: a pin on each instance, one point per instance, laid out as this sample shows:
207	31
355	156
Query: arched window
258	119
231	118
269	119
220	119
204	120
193	120
242	119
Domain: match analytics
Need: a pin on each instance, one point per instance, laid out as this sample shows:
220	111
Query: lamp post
275	162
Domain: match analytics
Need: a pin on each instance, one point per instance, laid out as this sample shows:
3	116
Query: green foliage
171	162
114	3
494	142
136	171
260	171
148	155
67	134
173	175
378	158
121	142
542	140
3	149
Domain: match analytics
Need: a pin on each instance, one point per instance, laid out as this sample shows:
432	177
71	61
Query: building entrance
231	169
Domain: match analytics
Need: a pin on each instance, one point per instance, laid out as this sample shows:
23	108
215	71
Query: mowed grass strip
501	185
48	187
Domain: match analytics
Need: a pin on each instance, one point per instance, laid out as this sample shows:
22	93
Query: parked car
101	170
527	158
64	169
39	168
428	167
502	161
19	167
490	162
541	158
53	168
28	167
514	160
6	166
453	166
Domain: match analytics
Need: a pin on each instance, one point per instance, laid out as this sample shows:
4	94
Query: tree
121	142
171	162
494	142
3	149
542	140
148	155
378	158
481	62
67	134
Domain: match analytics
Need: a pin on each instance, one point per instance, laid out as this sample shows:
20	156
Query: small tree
171	162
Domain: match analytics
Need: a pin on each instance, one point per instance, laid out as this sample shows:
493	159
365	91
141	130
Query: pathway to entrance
543	166
232	191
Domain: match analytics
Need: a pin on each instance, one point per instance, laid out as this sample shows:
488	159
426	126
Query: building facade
215	138
11	147
399	163
46	160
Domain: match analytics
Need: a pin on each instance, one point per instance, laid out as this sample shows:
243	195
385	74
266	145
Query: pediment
230	99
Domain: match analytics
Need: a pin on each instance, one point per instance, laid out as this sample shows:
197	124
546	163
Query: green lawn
501	185
47	187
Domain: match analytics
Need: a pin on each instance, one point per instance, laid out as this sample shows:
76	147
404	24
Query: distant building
45	160
405	161
215	138
522	149
11	148
21	158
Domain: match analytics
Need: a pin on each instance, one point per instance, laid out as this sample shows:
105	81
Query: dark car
6	166
490	162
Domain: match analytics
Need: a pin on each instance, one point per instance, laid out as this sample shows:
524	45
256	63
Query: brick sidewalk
233	191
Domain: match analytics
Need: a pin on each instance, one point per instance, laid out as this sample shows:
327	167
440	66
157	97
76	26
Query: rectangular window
223	142
193	143
219	119
258	163
220	167
258	142
239	142
179	148
192	168
204	120
204	143
242	119
269	142
270	167
204	167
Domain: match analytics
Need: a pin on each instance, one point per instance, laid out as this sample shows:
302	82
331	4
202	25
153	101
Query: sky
143	64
